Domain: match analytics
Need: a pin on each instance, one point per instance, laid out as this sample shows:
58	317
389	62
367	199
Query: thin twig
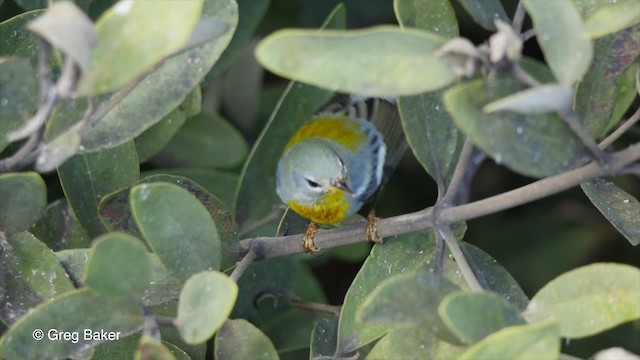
465	269
528	35
165	321
518	17
458	173
269	247
570	118
273	215
620	130
243	265
307	305
11	163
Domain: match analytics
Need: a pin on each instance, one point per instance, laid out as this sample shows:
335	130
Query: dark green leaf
133	36
23	197
562	38
240	340
485	12
532	145
627	93
619	207
205	303
30	274
18	41
118	266
68	29
59	228
172	334
471	316
152	140
324	339
18	95
205	140
588	300
165	88
436	16
87	178
118	316
379	61
532	341
539	70
183	235
406	342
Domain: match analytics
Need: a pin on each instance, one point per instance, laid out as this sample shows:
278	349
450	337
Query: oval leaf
588	300
23	197
560	33
485	12
205	303
18	95
619	207
537	100
59	228
379	61
436	16
183	235
239	339
611	18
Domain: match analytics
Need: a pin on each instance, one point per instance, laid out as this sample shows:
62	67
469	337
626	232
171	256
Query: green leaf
532	341
435	16
59	229
561	36
133	36
406	342
485	12
611	18
183	235
627	93
87	178
205	303
324	338
152	348
18	95
18	41
74	262
532	145
378	61
23	197
432	135
118	316
164	89
118	266
30	274
589	300
599	89
535	100
172	335
539	70
152	140
239	339
68	29
206	140
618	206
57	151
471	316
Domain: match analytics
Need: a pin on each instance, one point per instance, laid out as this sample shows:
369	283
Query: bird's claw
308	245
372	228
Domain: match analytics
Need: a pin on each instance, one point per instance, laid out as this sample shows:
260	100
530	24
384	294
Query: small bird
338	160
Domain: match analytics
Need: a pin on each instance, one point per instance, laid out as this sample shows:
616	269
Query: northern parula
337	160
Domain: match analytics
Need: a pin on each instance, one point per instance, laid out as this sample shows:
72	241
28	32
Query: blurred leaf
115	212
611	18
18	95
219	183
535	100
42	4
118	266
205	140
618	206
599	89
588	300
23	197
87	178
494	276
562	38
378	61
409	341
59	229
532	145
69	30
184	236
172	335
539	70
74	262
164	89
205	303
122	349
119	315
250	13
133	36
67	114
627	93
30	274
409	299
239	339
324	339
436	16
485	12
471	316
18	41
532	341
149	348
58	150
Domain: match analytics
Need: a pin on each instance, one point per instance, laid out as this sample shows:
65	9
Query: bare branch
615	135
243	265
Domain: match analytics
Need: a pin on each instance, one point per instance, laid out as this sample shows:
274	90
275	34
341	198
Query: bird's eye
312	183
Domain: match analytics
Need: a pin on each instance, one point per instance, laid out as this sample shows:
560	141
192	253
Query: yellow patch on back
332	209
342	130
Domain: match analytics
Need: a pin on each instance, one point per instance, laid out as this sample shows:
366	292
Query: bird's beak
341	185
